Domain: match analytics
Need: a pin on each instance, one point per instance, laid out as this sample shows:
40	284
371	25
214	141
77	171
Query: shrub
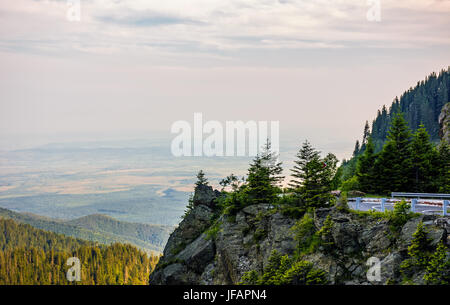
282	270
438	269
350	184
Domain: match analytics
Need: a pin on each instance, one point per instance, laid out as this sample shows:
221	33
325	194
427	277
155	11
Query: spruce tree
418	250
438	269
201	180
313	176
270	160
423	155
394	164
365	168
357	149
301	172
263	177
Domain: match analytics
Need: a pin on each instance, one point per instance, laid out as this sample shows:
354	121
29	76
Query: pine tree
313	176
357	149
301	171
263	177
366	133
394	164
365	168
418	250
270	160
201	180
438	269
423	155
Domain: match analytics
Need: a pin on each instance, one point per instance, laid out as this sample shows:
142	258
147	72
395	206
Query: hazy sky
320	67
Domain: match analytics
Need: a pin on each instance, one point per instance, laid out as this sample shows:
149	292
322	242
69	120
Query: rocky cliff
444	123
207	248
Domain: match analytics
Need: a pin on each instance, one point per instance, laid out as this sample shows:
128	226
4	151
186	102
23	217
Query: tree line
30	256
408	161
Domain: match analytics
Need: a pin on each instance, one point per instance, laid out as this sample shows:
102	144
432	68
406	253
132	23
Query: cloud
223	28
144	18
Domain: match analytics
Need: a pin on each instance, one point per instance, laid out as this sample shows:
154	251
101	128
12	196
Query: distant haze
132	68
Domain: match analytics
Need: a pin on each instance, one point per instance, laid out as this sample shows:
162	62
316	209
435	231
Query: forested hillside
99	228
420	105
33	256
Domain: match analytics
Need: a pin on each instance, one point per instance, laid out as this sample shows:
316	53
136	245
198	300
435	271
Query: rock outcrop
205	250
444	123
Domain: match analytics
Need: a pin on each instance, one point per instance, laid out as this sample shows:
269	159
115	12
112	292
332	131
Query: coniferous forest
30	256
402	151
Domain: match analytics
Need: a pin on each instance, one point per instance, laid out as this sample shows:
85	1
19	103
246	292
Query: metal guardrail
420	195
414	203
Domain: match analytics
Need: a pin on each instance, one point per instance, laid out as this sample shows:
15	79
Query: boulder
444	123
205	195
198	254
197	221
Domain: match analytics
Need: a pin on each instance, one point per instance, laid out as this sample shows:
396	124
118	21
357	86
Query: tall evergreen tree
263	177
357	149
301	172
394	164
365	168
270	160
423	155
201	180
313	176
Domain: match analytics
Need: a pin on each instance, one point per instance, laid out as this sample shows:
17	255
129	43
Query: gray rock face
444	123
245	242
197	221
435	232
205	195
197	253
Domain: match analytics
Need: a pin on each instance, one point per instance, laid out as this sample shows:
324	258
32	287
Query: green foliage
406	164
282	270
99	229
400	215
418	250
189	207
201	180
305	234
365	169
421	105
212	232
325	233
424	156
263	177
393	167
313	176
421	258
351	184
303	273
438	269
31	256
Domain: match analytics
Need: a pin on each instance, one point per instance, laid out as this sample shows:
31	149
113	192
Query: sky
319	67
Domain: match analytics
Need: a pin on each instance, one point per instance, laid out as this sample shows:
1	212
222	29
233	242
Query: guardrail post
413	205
358	202
444	207
383	203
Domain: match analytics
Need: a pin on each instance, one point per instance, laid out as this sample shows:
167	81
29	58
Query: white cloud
218	25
